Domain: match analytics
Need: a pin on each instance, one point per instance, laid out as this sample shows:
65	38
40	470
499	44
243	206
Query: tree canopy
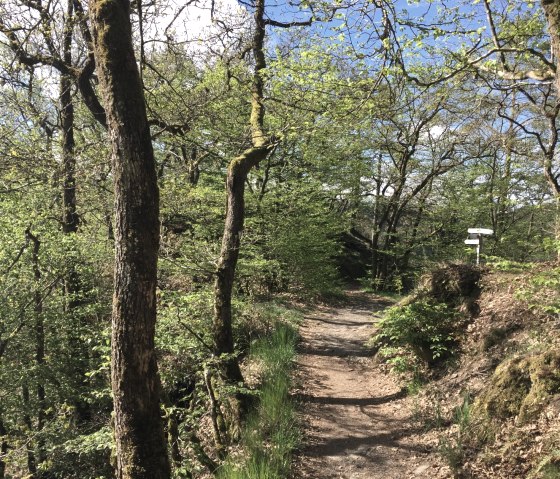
294	147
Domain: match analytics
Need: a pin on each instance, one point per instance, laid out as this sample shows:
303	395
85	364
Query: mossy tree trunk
237	173
235	215
139	435
552	12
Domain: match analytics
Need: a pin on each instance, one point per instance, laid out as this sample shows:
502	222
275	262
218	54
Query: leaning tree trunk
235	207
235	215
139	435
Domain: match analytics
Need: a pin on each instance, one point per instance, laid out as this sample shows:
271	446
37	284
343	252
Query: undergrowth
425	328
270	433
454	448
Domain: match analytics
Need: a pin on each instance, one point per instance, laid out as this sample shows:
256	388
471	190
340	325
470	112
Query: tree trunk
376	227
139	435
552	12
173	433
3	449
70	216
70	223
39	347
235	215
235	208
192	163
31	461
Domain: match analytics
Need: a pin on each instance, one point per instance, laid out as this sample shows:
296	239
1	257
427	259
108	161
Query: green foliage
541	290
74	371
506	265
337	144
270	434
292	239
425	328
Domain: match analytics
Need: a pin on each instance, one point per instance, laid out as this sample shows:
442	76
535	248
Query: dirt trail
357	422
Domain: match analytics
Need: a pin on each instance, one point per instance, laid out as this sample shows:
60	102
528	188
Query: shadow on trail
338	323
360	446
350	350
334	345
348	401
355	421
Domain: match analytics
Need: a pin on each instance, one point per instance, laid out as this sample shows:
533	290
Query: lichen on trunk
239	168
139	435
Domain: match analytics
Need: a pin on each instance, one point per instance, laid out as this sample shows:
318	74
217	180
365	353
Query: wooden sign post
475	238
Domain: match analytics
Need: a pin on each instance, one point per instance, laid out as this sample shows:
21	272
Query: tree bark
237	173
235	216
3	449
139	435
552	12
70	215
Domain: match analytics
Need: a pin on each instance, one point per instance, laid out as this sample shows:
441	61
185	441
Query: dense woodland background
391	129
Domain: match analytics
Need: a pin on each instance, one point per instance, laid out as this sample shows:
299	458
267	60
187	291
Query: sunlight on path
355	422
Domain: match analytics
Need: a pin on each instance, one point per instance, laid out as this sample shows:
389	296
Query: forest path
356	419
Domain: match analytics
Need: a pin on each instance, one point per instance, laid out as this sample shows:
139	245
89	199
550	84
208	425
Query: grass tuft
270	433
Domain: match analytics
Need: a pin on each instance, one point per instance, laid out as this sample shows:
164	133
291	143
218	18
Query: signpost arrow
480	231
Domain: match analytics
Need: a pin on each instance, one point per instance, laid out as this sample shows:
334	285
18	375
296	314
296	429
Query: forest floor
358	422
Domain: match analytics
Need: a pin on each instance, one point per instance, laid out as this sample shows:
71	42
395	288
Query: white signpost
480	231
477	241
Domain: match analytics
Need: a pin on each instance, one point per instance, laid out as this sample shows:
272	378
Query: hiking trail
357	420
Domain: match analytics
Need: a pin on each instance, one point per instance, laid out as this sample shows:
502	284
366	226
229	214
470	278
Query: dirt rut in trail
356	418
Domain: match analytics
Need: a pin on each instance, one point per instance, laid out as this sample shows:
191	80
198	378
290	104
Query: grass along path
270	433
356	419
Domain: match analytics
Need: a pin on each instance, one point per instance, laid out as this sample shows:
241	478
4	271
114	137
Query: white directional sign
480	231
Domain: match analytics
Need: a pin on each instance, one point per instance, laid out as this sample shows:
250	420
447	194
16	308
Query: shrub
426	328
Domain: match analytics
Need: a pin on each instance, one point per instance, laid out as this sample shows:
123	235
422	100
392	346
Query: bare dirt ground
357	420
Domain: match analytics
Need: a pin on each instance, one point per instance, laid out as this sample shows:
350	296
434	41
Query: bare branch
274	23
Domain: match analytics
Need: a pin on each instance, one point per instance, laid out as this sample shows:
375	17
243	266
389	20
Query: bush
426	328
